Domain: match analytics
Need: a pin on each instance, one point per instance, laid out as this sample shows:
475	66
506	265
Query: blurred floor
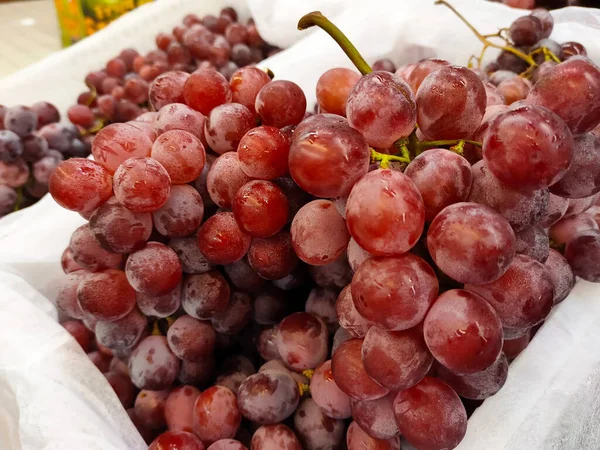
29	33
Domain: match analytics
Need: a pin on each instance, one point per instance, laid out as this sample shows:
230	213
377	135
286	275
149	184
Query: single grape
116	143
196	372
582	254
225	178
236	316
266	345
333	88
335	275
522	296
182	214
316	430
177	116
101	361
513	347
177	440
226	125
348	317
546	20
273	258
421	70
142	184
260	209
263	153
15	174
580	108
431	402
79	332
471	243
150	408
192	260
358	439
123	387
167	88
205	294
275	437
556	209
160	305
88	254
302	341
382	107
514	89
319	234
58	136
533	242
569	227
243	276
561	274
385	213
323	162
206	89
356	255
34	148
179	408
216	415
227	444
321	304
66	295
181	153
21	120
525	30
245	84
154	269
221	241
47	113
573	49
106	295
580	205
494	96
268	397
191	339
11	147
123	333
376	417
152	365
280	103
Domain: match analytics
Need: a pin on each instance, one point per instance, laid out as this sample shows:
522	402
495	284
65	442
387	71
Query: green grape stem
19	199
385	159
315	18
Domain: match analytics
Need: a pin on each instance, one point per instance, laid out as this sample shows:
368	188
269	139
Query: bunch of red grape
132	84
32	145
382	261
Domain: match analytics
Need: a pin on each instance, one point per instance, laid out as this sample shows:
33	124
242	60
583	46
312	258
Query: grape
101	361
179	408
471	243
294	280
280	103
44	168
268	397
525	31
14	174
568	228
20	120
582	254
321	304
225	178
160	305
79	332
181	154
80	185
326	393
123	387
236	33
116	143
47	113
463	332
546	20
442	177
269	306
167	88
263	153
226	125
334	275
266	346
302	341
450	103
396	359
275	437
350	375
522	297
8	199
88	254
196	372
191	339
192	260
221	241
182	214
273	258
316	430
260	209
123	333
150	408
180	57
333	88
561	274
533	242
243	276
327	156
154	269
177	440
216	415
580	108
580	205
11	147
319	234
34	147
116	365
231	381
382	107
177	116
430	415
205	294
119	230
116	67
515	89
556	209
421	70
227	444
356	255
376	417
66	295
81	115
106	295
245	84
206	89
509	61
152	365
59	137
200	182
142	184
394	293
277	365
237	315
513	347
349	318
494	96
110	84
572	48
582	179
385	213
358	439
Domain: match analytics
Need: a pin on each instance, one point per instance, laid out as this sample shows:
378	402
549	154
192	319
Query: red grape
513	347
66	295
226	125
533	242
116	143
227	444
179	408
197	372
206	89
106	295
152	365
123	387
280	103
419	71
358	439
569	227
263	153
177	116
154	269
471	243
356	255
385	213
182	214
181	154
514	89
205	294
349	318
326	393
561	274
225	178
150	408
142	184
376	417
101	361
321	303
216	415
273	258
160	305
191	339
221	240
275	437
88	253
177	440
246	83
243	276
333	89
15	174
302	341
260	208
583	253
167	88
47	113
235	317
315	429
335	275
494	96
192	260
79	332
123	333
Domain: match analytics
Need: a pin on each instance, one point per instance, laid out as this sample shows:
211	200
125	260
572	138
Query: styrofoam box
51	395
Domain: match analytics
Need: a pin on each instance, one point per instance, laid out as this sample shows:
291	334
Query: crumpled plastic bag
51	395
